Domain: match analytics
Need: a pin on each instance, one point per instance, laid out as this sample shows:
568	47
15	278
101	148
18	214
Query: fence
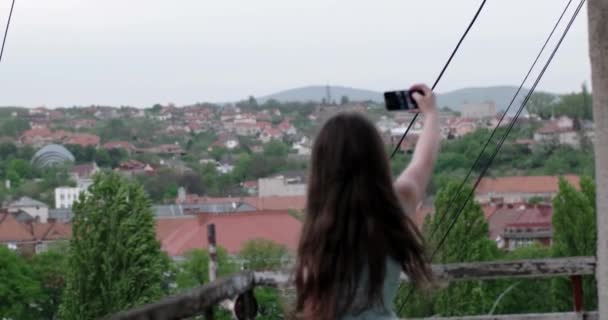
202	299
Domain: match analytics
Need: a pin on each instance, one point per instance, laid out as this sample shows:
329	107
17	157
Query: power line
511	125
8	23
476	162
497	149
445	67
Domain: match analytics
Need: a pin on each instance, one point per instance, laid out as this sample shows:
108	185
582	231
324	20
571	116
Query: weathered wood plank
531	316
537	268
540	268
192	302
200	299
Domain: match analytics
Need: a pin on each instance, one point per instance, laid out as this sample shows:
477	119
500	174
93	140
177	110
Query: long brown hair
353	222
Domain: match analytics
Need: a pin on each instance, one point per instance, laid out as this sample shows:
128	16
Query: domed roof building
50	155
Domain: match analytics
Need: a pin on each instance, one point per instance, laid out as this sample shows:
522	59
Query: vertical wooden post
577	292
598	52
212	261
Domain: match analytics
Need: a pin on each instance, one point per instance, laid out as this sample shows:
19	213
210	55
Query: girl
358	235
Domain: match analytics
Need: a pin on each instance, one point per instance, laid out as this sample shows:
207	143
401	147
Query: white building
66	196
479	110
34	208
281	186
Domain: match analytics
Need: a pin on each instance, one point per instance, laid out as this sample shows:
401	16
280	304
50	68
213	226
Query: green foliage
7	149
13	127
523	295
276	148
115	260
50	269
574	234
19	290
194	270
261	254
573	105
467	241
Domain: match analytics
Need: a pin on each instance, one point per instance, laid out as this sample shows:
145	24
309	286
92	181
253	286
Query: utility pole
598	52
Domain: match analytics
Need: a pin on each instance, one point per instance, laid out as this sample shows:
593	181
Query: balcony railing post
212	262
577	292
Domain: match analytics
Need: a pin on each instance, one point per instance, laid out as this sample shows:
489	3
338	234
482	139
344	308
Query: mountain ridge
501	95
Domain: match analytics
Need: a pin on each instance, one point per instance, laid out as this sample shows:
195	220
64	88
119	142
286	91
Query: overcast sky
140	52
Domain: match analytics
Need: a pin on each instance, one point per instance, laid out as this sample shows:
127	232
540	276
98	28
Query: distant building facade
479	110
281	186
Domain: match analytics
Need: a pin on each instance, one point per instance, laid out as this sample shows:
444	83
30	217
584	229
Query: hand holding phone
419	98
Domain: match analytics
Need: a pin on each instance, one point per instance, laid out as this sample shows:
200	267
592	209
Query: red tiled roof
38	132
118	144
11	230
524	184
84	170
180	235
83	139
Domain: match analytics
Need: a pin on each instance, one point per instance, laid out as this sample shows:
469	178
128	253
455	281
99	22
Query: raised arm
412	182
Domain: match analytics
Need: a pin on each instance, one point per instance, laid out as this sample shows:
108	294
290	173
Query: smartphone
400	100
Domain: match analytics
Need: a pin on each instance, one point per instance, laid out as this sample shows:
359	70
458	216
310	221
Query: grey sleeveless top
390	287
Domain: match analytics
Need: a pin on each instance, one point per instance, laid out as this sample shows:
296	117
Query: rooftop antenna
328	94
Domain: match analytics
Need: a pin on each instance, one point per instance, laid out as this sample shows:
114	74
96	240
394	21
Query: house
82	139
270	134
34	208
225	140
31	237
517	189
282	185
13	233
479	110
65	197
459	127
84	171
83	174
286	127
37	137
559	131
182	234
124	145
83	123
513	225
246	129
134	167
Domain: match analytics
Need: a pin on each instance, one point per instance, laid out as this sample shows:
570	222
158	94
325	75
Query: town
242	167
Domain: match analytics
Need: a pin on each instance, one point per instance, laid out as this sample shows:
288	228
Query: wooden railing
202	299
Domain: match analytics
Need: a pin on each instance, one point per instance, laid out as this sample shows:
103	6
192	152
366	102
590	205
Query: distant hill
317	93
501	95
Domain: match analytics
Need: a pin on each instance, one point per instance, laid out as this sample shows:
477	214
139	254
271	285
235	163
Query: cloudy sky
140	52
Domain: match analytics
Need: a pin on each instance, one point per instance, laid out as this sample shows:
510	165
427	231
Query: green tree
276	148
194	270
261	254
541	104
574	234
19	290
524	295
7	149
115	260
49	269
14	127
467	241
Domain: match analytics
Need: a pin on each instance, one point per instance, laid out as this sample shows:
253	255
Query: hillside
501	95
